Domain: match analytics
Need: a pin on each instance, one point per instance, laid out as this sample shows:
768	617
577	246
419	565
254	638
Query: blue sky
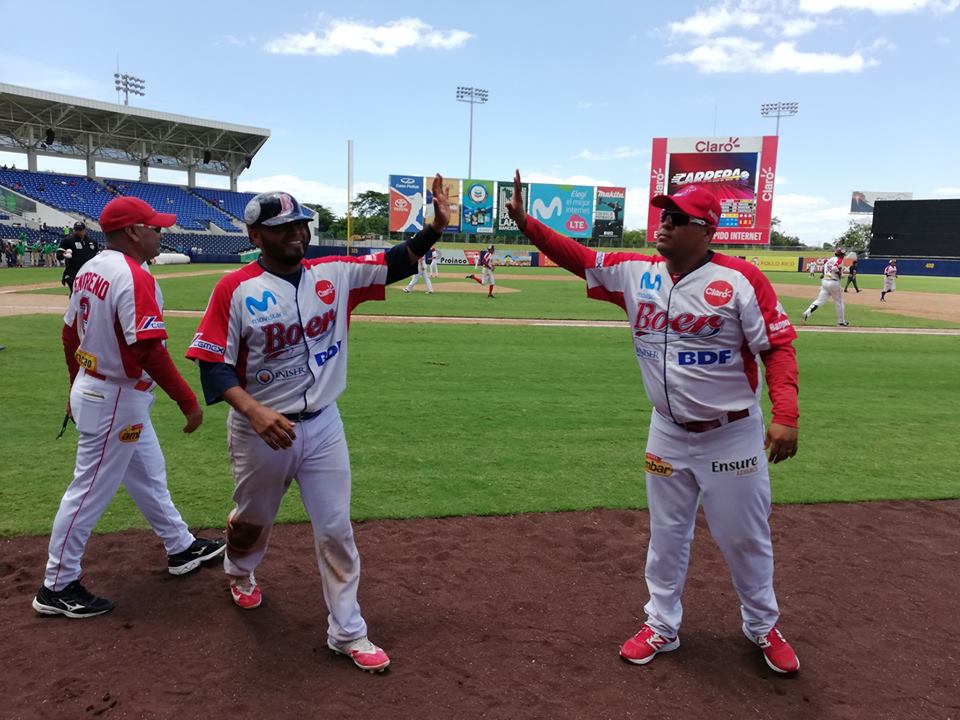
577	90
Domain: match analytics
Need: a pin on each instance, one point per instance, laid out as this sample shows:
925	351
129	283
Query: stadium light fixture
474	96
779	110
129	85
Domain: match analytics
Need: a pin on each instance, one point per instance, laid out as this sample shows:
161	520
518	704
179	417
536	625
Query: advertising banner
786	263
568	209
451	186
740	171
506	226
471	258
477	215
608	215
862	201
406	203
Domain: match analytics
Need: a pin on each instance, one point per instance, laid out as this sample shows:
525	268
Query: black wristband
423	241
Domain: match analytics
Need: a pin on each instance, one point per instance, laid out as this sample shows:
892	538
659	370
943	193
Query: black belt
302	415
699	426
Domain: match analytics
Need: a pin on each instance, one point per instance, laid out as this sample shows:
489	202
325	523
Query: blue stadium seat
192	213
227	200
70	193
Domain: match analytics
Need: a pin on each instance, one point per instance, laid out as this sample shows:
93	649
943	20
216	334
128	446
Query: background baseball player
75	249
699	319
273	345
113	339
486	261
421	273
830	288
852	272
433	259
889	280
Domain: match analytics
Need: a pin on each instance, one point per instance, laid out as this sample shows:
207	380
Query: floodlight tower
779	110
474	96
129	85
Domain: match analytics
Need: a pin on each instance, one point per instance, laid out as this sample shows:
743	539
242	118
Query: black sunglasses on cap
678	219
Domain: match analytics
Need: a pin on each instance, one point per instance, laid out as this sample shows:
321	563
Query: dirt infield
503	617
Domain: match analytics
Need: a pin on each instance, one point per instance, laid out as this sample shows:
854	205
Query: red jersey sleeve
147	318
210	341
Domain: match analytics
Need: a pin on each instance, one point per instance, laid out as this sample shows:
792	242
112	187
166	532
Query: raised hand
441	205
515	207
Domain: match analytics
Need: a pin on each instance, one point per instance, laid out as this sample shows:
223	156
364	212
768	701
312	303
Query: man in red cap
113	339
699	320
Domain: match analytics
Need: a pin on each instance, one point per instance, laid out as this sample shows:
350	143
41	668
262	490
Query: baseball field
497	449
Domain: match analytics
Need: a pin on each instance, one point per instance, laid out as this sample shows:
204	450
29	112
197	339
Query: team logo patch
747	466
200	344
87	361
658	466
131	433
254	306
718	293
326	291
151	322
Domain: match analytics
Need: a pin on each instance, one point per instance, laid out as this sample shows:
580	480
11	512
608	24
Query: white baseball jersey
696	340
288	344
115	303
833	269
890	271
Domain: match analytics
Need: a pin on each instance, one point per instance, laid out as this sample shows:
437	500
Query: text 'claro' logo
718	293
712	146
767	176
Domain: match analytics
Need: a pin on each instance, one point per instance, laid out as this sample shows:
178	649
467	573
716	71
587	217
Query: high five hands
515	204
441	205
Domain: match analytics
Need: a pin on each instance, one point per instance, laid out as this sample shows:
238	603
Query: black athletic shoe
74	601
190	559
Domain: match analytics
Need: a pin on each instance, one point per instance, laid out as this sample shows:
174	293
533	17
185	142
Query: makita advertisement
740	171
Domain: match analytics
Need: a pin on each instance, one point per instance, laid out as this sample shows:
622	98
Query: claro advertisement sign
740	171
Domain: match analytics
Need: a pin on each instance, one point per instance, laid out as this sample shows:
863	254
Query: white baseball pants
488	278
426	279
830	290
117	445
320	463
726	470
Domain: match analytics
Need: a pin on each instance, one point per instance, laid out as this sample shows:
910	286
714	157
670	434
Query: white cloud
620	153
233	40
39	75
716	20
340	36
798	27
737	54
878	7
810	217
537	176
948	191
637	204
584	105
310	191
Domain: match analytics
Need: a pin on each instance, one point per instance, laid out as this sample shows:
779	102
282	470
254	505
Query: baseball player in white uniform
830	288
113	338
434	257
273	345
486	261
421	273
698	320
889	280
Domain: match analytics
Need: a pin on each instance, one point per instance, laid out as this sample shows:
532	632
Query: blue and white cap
275	208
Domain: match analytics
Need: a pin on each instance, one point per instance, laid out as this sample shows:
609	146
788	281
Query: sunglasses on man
679	219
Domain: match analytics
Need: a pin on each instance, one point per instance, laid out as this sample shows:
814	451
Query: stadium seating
192	212
227	200
70	193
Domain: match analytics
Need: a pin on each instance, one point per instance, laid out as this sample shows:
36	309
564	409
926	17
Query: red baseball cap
123	212
694	200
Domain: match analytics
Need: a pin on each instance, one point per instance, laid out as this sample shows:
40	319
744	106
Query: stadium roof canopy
43	123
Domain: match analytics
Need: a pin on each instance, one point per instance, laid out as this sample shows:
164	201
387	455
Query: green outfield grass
547	299
452	420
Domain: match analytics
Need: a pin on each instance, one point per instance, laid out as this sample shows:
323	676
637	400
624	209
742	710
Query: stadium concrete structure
40	204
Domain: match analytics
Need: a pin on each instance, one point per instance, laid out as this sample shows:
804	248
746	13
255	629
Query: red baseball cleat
644	646
365	654
245	592
776	650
